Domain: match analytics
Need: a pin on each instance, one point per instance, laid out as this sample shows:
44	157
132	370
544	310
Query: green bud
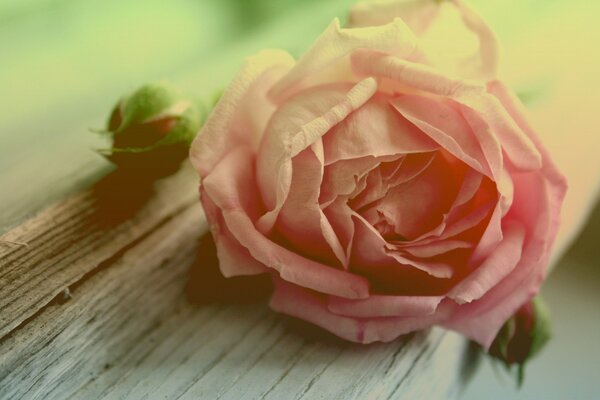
152	128
523	336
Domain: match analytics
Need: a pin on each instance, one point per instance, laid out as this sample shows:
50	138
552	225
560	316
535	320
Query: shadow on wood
119	196
207	285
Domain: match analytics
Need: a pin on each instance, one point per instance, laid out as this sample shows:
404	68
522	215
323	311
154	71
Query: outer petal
452	36
417	14
485	61
538	198
229	187
327	60
517	146
312	307
384	306
495	268
234	259
242	112
479	107
371	62
517	111
444	124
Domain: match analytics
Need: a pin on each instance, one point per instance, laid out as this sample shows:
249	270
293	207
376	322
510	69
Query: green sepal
147	103
504	336
542	329
522	337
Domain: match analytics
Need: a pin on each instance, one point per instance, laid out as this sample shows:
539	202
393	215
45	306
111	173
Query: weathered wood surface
54	250
128	331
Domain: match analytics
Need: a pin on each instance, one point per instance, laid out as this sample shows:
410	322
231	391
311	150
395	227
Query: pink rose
387	188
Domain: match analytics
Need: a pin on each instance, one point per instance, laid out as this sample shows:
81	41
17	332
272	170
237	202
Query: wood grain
128	332
45	256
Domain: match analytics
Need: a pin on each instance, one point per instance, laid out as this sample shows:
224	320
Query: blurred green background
64	63
60	53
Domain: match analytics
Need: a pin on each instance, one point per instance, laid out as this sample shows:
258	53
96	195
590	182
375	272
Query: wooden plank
108	313
45	256
128	332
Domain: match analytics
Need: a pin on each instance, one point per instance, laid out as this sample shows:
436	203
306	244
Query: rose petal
451	35
373	130
234	259
412	166
329	52
437	248
491	237
417	14
444	124
470	186
479	107
439	24
418	205
468	220
515	108
487	111
342	177
295	126
301	221
495	268
485	61
237	120
370	258
384	306
312	307
376	186
339	216
538	198
226	187
435	269
370	62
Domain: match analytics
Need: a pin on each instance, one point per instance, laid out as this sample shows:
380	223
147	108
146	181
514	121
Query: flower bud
152	128
522	336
